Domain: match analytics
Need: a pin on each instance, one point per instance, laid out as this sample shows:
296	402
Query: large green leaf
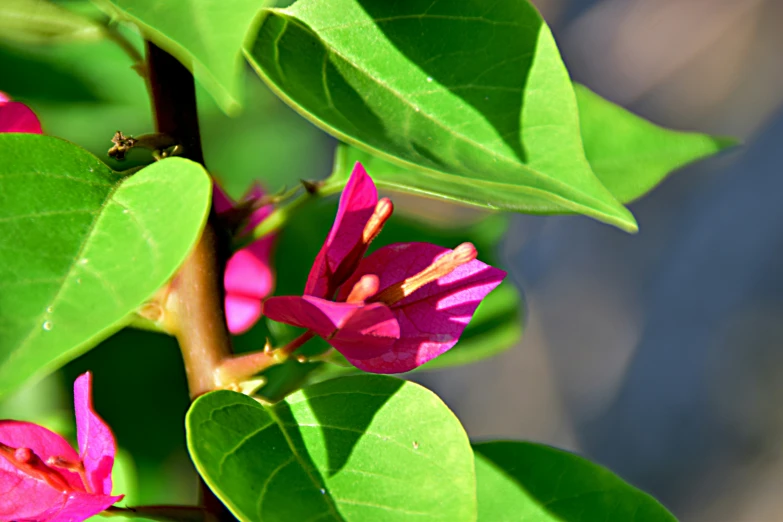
350	449
537	483
82	246
460	92
629	155
632	155
205	35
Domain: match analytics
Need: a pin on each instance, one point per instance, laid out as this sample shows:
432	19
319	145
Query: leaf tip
725	142
624	220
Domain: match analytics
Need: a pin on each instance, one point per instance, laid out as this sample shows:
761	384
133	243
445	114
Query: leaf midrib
328	497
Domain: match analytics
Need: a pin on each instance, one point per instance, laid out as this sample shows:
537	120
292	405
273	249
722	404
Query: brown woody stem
196	296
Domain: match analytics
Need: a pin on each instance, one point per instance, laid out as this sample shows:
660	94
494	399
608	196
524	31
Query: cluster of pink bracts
388	312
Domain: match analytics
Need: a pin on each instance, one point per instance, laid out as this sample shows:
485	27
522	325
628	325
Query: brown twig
196	296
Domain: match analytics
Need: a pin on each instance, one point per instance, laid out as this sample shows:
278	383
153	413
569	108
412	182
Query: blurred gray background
660	355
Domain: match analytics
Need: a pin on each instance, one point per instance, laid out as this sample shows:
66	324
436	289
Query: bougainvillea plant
467	102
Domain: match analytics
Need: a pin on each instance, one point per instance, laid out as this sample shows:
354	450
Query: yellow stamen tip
365	287
444	265
383	209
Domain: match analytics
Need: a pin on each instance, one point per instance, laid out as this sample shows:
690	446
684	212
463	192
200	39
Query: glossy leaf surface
537	483
629	154
460	92
205	35
350	449
83	246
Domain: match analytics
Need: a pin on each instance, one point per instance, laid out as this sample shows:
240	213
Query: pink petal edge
96	441
431	319
81	506
242	312
357	204
356	330
18	117
248	272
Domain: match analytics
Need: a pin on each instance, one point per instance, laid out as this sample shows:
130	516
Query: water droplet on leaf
47	325
323	491
429	78
49	309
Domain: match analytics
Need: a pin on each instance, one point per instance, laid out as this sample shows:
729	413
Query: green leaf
537	483
41	21
463	94
356	448
631	155
205	35
83	246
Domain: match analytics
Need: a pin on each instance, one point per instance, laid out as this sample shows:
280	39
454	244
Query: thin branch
238	368
161	513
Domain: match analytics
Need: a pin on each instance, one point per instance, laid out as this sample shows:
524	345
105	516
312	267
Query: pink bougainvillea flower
43	479
17	117
249	277
399	307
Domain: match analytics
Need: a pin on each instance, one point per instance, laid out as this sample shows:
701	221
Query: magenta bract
17	117
249	277
356	330
42	478
432	318
396	309
345	245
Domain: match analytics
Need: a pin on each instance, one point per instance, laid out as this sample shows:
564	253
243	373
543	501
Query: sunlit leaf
356	448
629	155
460	92
537	483
205	35
82	246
